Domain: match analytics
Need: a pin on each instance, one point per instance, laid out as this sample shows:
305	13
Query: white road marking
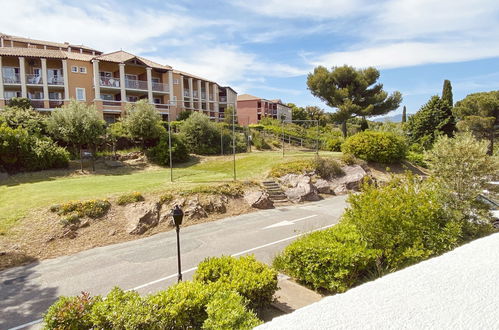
288	222
22	326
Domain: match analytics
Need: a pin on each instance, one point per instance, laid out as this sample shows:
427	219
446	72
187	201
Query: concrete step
292	296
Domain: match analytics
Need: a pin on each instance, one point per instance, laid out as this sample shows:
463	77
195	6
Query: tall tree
353	92
447	92
142	121
434	118
77	124
479	114
404	114
298	113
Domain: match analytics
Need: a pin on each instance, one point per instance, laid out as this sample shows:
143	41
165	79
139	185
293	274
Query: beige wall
81	80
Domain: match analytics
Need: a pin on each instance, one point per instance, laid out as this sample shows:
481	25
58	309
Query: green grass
24	192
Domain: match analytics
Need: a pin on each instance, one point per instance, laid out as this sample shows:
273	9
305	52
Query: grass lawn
24	192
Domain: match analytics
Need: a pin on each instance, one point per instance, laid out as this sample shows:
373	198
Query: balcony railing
162	106
136	84
55	103
203	95
111	103
12	79
223	98
186	92
159	87
56	80
36	103
195	94
34	79
109	82
211	97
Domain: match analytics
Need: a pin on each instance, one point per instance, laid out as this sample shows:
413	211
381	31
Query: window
105	74
74	69
35	95
83	69
10	94
176	81
157	100
55	96
80	94
132	98
155	80
107	97
131	77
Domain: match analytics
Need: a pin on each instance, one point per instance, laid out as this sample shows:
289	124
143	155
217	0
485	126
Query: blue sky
267	47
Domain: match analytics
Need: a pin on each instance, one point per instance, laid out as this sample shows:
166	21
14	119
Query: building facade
50	74
252	109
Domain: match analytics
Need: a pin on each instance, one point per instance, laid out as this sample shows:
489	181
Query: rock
131	155
193	210
340	190
141	216
4	176
293	180
112	232
215	204
354	175
84	223
50	239
68	233
3	253
259	199
113	163
323	186
302	192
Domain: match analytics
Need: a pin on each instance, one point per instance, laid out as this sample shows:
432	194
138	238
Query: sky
267	47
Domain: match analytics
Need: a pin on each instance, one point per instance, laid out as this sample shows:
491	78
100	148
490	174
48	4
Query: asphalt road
150	264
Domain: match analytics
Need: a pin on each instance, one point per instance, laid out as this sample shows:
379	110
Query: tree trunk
344	128
81	160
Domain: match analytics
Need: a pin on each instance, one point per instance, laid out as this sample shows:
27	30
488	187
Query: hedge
383	147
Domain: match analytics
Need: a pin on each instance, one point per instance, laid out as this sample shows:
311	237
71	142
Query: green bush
416	158
333	144
201	135
406	220
133	197
259	142
160	154
70	219
327	168
70	313
250	278
294	167
334	259
349	159
383	147
95	208
46	154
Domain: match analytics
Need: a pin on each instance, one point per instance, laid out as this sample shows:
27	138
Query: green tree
142	121
77	124
479	114
26	118
354	92
462	166
184	115
404	114
434	118
447	92
229	115
201	135
298	113
20	102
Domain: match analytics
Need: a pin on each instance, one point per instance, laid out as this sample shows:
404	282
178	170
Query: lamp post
178	215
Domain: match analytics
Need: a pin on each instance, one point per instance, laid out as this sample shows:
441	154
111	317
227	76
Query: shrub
226	310
166	198
26	118
327	168
130	198
71	219
54	208
95	208
143	121
250	278
334	259
406	220
259	141
202	136
383	147
70	313
416	158
333	144
294	167
160	154
349	159
46	154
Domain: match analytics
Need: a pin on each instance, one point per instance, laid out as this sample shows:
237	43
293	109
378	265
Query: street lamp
178	215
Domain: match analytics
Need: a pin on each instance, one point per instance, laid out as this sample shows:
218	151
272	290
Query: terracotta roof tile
121	56
247	97
43	42
31	52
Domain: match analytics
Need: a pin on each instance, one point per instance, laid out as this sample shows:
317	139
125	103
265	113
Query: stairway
275	192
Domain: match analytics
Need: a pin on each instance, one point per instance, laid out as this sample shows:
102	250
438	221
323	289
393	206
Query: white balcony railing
186	92
12	79
109	82
34	79
56	80
195	94
203	95
159	87
136	84
162	106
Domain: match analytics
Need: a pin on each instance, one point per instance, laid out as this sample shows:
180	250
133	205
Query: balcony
54	103
203	96
37	103
162	106
211	97
12	79
223	98
111	103
56	80
159	87
195	94
186	93
109	82
136	84
34	79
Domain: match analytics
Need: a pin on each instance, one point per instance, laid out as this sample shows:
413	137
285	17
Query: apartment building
50	74
255	108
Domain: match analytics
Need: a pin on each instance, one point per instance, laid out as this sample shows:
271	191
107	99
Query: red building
251	109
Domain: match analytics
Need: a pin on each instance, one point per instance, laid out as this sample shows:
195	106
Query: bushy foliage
334	259
201	135
94	208
332	144
130	198
160	153
327	168
349	159
434	118
294	167
375	146
406	220
20	102
259	141
70	313
143	121
26	118
20	151
183	115
250	278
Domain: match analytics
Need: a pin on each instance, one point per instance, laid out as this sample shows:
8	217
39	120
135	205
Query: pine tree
404	115
447	92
